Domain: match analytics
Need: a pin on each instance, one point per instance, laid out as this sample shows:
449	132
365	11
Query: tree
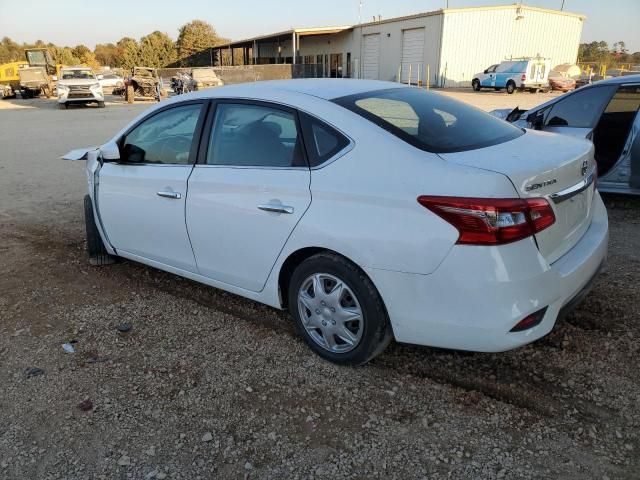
195	37
156	50
128	51
107	54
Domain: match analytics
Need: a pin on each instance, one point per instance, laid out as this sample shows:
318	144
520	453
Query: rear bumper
477	295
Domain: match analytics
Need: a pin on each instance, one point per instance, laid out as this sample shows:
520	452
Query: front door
141	197
247	192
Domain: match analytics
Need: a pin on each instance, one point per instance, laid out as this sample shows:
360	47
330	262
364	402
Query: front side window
165	138
580	109
254	136
430	121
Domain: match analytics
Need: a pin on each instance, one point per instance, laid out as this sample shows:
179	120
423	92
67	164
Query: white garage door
371	57
413	55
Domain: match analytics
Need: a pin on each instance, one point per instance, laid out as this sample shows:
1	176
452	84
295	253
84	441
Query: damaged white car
370	210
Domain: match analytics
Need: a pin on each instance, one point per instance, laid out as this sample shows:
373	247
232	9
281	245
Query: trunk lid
555	167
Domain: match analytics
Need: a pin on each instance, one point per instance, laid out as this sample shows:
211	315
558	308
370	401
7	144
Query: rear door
141	197
247	192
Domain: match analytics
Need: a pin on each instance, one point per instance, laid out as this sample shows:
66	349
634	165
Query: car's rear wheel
511	87
475	84
338	310
98	254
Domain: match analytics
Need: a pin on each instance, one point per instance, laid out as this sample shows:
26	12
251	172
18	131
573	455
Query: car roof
619	80
325	88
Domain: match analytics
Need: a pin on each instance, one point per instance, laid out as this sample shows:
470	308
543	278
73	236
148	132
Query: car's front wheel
338	310
475	84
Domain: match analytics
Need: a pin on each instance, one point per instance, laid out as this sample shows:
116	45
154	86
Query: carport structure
284	48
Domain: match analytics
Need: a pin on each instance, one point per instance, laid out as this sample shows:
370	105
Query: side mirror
486	70
110	152
100	77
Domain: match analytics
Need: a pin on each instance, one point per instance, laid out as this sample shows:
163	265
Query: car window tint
165	138
321	140
580	109
254	136
430	121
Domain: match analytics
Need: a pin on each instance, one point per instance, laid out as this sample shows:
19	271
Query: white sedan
370	210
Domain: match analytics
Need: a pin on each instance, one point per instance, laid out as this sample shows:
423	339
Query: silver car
605	112
79	85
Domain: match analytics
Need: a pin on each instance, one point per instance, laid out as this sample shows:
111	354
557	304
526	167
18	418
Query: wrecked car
143	83
606	113
204	78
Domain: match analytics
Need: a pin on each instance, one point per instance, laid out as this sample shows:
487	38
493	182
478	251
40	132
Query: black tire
100	104
63	106
130	94
377	329
98	255
475	84
511	87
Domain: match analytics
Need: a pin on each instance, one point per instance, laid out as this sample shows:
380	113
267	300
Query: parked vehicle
562	84
40	77
368	209
605	112
204	78
79	85
112	81
525	74
9	78
181	83
144	84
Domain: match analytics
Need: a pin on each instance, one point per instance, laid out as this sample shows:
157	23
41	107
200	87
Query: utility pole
360	13
562	7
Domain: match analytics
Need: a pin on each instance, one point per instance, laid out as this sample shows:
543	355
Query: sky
72	22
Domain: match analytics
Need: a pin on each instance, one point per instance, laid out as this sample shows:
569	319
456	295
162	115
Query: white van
524	74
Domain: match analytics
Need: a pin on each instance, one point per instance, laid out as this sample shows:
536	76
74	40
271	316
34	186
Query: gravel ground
209	385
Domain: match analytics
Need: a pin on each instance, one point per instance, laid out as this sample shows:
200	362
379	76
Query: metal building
445	47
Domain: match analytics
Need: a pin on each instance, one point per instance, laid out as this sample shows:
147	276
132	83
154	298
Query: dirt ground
209	385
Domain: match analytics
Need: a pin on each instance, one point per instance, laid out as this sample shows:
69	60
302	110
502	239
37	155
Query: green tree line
600	52
156	49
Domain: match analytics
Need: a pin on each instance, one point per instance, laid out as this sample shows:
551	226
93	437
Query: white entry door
412	55
371	57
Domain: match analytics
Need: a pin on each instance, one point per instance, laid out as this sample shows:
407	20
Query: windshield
77	74
430	121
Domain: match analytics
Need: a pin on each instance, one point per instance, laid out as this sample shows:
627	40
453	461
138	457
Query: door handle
276	208
174	195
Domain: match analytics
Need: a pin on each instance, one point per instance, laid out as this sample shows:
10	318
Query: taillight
523	77
492	221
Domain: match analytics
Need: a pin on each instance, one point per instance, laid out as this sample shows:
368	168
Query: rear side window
581	109
255	136
430	121
321	140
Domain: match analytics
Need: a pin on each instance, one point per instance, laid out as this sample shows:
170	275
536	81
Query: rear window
430	121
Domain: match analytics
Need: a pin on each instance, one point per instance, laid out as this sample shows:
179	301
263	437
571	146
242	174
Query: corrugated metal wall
475	39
